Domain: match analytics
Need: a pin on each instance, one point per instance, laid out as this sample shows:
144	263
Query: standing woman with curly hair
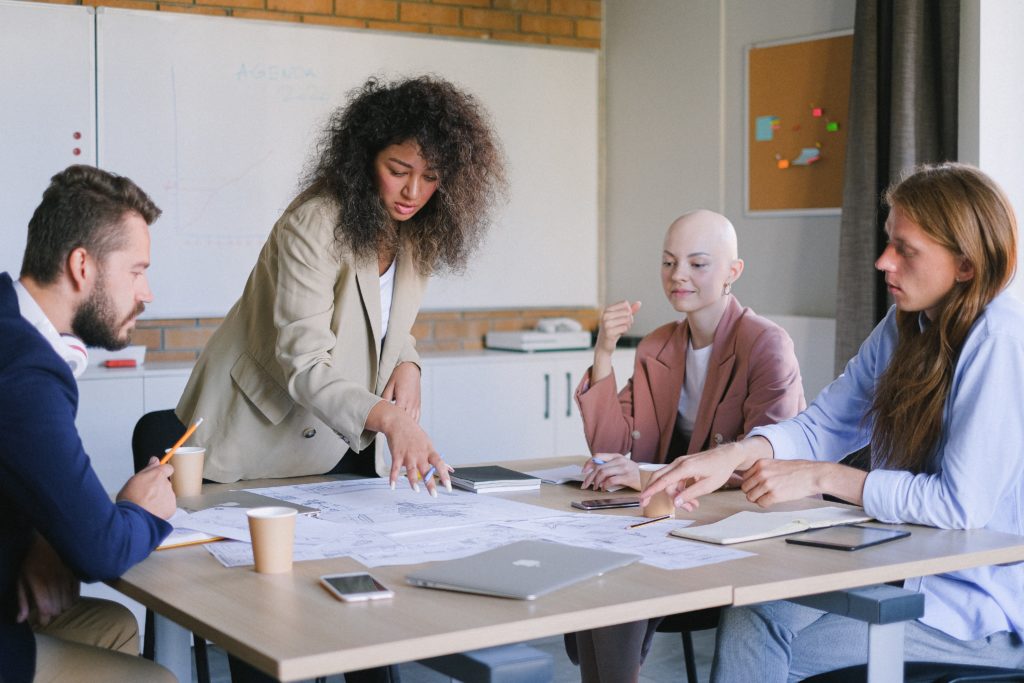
937	390
316	357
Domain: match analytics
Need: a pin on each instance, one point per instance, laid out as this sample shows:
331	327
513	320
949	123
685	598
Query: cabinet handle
568	394
547	396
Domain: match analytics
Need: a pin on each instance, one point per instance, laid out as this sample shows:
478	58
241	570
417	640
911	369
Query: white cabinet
107	412
477	406
498	406
111	401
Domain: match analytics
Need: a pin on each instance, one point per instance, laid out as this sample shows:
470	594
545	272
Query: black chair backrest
154	433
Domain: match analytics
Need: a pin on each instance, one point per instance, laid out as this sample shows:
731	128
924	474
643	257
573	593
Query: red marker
120	363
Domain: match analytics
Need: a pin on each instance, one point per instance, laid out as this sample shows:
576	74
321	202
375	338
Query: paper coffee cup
661	504
273	534
187	479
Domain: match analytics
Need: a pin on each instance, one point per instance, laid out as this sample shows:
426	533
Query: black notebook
492	478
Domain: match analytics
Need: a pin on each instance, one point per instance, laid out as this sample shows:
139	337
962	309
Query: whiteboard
47	69
216	117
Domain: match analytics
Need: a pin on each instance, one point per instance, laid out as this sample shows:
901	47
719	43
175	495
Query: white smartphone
355	587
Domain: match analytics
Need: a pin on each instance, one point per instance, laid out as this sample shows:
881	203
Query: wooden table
287	625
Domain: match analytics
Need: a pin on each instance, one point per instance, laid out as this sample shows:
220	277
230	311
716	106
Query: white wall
991	99
675	129
662	128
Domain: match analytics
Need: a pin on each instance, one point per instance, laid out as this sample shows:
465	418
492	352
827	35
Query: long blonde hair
964	210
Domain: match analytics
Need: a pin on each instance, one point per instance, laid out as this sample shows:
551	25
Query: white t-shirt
387	290
693	386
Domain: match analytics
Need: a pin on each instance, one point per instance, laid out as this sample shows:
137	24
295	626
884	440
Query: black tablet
847	537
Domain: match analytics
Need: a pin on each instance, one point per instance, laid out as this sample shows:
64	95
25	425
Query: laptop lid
524	569
242	499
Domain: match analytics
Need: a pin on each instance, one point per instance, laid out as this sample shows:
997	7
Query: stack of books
492	478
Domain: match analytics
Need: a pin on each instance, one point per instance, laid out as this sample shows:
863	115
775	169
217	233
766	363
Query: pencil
649	521
183	439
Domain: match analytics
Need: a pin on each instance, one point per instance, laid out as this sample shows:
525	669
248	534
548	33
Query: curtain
903	112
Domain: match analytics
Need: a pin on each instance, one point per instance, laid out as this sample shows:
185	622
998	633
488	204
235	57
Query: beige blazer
286	382
753	379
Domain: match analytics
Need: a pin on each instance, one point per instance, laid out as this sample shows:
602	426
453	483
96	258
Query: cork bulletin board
798	95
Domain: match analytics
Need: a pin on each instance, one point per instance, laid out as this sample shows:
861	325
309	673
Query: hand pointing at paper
692	476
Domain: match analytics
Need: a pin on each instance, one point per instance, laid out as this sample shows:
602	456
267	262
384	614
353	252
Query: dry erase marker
120	363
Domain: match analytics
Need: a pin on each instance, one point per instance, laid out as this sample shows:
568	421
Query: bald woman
698	382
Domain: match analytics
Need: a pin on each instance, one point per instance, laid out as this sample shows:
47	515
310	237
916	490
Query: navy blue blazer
47	484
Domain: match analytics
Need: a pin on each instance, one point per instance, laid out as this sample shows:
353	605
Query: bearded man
83	277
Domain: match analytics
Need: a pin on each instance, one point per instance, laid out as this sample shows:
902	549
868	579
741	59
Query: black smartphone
606	503
847	537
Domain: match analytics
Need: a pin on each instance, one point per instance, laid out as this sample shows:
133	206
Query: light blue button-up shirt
974	480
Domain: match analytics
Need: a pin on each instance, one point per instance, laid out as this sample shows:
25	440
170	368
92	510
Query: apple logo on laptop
526	563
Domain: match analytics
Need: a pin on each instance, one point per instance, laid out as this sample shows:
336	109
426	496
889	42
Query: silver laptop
242	499
524	569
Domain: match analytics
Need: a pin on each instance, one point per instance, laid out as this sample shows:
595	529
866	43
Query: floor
664	662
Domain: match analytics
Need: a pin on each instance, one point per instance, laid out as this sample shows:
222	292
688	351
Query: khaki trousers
96	641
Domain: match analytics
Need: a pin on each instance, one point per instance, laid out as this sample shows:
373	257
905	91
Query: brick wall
572	23
183	339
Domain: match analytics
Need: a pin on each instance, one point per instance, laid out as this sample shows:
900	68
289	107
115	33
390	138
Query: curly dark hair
454	136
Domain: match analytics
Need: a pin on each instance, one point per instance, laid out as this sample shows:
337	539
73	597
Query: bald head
712	232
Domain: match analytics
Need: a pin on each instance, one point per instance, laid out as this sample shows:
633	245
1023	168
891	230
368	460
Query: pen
597	461
430	473
649	521
184	437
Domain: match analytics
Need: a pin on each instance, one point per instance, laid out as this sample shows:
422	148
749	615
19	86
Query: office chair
154	432
685	624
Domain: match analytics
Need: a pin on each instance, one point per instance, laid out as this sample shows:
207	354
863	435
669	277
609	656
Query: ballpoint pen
426	477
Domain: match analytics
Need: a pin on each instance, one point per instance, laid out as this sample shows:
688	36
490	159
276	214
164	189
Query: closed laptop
523	570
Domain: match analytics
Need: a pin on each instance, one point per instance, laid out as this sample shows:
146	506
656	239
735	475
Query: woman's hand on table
767	482
608	470
692	476
410	448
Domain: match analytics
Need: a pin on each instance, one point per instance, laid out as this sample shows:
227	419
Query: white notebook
754	526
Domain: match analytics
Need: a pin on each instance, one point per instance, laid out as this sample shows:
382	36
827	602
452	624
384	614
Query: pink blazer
753	379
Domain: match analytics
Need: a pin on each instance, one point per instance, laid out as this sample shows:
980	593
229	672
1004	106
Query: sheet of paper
559	475
808	155
346	543
232	523
372	503
564	475
183	533
366	520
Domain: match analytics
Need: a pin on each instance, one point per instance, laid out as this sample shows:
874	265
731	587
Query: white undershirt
67	346
693	385
387	290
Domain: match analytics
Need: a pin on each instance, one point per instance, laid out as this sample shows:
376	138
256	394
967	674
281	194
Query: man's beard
96	323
